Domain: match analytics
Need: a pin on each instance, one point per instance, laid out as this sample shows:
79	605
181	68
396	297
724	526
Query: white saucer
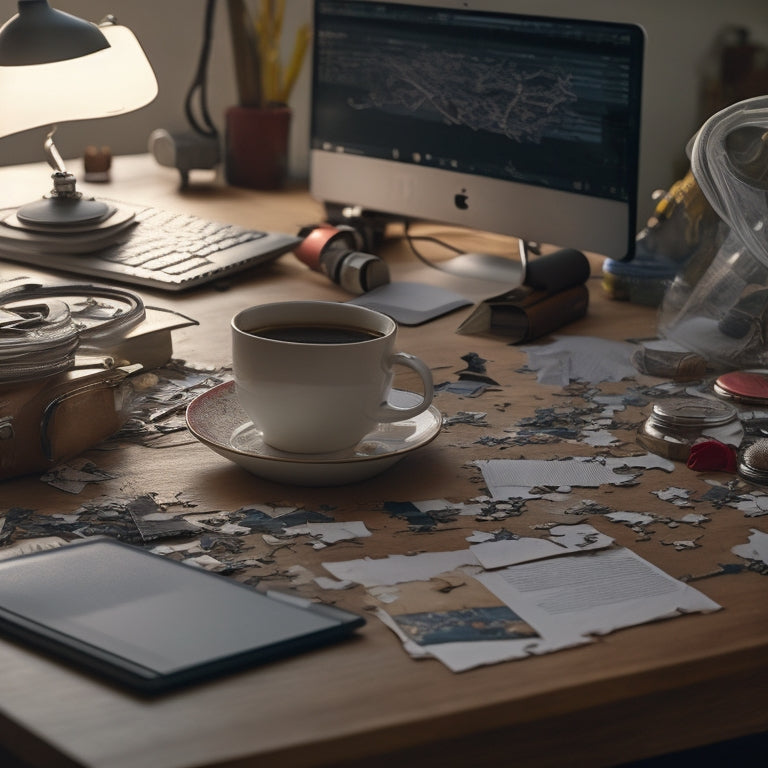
217	420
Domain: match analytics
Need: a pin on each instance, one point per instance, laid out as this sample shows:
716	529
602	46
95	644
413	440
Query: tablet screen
149	621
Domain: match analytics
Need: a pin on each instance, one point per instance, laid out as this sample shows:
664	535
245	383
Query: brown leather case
46	421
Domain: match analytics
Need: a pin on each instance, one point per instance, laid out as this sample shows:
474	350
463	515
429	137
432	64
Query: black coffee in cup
315	334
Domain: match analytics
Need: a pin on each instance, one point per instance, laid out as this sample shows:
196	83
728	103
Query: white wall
171	32
680	37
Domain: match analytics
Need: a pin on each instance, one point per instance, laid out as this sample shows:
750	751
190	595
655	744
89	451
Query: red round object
744	386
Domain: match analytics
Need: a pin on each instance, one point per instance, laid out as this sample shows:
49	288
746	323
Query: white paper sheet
513	478
563	540
506	477
330	533
593	593
631	518
752	505
460	657
568	599
757	549
397	569
585	358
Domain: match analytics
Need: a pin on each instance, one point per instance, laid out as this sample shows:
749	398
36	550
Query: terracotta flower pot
256	146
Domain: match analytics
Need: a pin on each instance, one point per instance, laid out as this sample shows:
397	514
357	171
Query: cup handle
387	412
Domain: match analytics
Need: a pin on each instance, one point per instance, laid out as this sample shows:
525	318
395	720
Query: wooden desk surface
633	693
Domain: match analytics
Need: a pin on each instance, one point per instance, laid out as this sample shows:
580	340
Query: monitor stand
488	266
371	226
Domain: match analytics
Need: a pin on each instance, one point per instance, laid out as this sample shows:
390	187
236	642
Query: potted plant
257	128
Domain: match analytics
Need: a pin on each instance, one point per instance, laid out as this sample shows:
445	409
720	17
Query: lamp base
17	236
64	212
65	206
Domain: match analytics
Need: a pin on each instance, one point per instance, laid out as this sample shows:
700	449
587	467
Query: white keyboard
163	250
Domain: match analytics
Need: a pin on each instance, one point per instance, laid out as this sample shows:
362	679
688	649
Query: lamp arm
52	153
64	183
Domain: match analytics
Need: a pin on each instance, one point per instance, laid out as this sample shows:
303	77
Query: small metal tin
749	387
692	413
676	423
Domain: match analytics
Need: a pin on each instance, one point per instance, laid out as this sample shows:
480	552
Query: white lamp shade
109	82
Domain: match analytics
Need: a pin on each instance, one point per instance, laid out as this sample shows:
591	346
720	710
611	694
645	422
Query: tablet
149	622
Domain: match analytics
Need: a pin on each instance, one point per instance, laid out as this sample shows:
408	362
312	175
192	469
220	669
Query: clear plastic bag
718	305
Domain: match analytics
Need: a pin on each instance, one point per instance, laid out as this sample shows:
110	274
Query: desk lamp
56	67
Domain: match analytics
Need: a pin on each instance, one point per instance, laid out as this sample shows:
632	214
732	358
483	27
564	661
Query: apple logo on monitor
461	200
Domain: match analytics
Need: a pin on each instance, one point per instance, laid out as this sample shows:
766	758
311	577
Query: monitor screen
458	113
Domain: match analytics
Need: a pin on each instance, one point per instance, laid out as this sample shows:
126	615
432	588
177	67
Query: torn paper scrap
523	492
584	358
325	583
681	544
598	438
206	562
385	594
694	518
677	496
630	518
455	619
434	507
431	505
72	478
299	575
579	537
330	533
752	505
468	613
32	545
474	509
503	476
478	537
563	540
643	461
169	549
756	549
397	569
460	657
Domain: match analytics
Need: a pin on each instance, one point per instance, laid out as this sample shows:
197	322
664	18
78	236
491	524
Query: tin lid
743	386
692	412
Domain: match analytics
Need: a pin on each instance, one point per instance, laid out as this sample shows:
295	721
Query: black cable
525	249
199	83
410	239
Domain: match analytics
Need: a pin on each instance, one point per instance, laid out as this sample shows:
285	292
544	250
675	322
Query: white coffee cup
314	376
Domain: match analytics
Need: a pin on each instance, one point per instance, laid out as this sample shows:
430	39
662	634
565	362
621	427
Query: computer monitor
457	111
